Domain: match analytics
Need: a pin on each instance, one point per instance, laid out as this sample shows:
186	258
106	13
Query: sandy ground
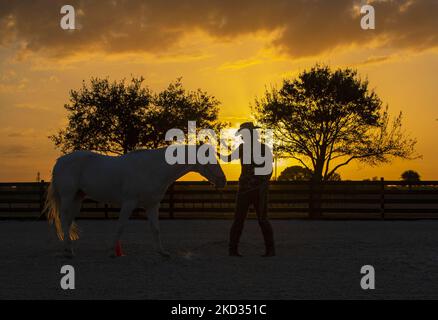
316	259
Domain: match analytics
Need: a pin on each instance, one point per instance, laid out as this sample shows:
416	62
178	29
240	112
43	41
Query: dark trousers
259	199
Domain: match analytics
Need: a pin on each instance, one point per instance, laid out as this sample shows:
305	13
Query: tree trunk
316	189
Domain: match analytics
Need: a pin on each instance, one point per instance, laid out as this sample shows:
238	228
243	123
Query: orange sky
231	50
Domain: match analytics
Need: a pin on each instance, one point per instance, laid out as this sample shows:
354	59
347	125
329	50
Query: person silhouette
253	187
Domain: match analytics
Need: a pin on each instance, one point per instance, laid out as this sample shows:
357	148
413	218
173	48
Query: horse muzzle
220	183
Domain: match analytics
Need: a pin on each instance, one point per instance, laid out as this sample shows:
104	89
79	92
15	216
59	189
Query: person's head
248	132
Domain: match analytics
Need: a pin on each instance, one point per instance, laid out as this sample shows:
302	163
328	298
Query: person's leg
261	208
242	205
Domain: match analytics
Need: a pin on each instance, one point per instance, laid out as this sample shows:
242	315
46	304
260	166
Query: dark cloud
374	60
15	135
8	151
308	27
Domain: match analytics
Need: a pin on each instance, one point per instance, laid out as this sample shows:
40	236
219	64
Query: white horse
137	179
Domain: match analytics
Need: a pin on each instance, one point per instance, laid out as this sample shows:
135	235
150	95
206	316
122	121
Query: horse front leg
153	216
125	213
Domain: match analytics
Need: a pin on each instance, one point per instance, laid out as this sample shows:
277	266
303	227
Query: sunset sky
232	49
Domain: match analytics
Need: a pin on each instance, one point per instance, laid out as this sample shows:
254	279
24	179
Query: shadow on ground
316	260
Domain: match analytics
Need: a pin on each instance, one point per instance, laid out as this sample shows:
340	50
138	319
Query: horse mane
144	150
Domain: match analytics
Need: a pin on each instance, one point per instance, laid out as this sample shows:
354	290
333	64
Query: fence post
106	210
42	199
171	215
382	197
310	204
315	199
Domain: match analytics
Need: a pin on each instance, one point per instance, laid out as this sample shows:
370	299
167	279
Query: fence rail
292	199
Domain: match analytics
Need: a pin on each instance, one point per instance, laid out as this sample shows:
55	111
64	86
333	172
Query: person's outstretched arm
232	156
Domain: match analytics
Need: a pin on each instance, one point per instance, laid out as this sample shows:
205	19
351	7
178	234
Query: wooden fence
344	199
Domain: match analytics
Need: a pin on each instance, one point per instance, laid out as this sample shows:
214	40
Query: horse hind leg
153	216
66	221
70	207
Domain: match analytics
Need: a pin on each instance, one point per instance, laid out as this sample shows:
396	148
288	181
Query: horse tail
51	206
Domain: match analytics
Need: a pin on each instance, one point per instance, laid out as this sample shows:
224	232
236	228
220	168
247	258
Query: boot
234	252
270	252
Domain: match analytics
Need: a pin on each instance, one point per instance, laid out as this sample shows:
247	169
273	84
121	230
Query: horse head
209	167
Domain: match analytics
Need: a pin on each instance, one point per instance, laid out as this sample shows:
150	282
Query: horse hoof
68	254
64	255
115	255
164	254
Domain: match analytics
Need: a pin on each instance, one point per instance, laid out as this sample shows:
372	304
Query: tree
295	173
375	178
326	119
410	176
335	177
117	117
174	107
299	173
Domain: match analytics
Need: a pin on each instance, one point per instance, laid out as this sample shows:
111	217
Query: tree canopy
120	116
299	173
325	119
410	176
